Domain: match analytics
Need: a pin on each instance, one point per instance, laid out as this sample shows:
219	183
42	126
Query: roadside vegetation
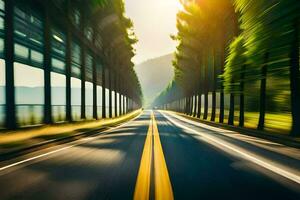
237	62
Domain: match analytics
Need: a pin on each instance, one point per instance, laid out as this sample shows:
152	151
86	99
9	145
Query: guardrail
32	114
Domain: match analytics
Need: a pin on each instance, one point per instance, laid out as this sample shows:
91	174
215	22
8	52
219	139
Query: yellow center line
163	187
142	187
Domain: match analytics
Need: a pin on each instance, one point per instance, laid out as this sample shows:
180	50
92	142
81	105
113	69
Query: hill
154	75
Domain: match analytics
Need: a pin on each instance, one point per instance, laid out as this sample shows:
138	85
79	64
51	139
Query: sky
154	22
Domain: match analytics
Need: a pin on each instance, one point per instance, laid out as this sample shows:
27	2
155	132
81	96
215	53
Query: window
107	101
89	33
58	51
28	37
76	18
113	103
89	100
76	98
89	67
29	86
118	104
76	60
99	73
99	101
58	96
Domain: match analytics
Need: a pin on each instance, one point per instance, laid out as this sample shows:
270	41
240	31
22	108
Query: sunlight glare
178	5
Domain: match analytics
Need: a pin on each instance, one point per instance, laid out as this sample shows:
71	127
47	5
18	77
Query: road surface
158	155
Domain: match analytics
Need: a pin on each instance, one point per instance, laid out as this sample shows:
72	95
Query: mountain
155	75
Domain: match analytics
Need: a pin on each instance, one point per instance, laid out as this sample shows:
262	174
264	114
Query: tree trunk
199	106
295	81
214	104
222	106
221	116
231	110
263	85
242	98
214	88
205	105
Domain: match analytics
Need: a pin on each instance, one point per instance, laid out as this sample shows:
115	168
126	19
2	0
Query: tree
272	45
234	76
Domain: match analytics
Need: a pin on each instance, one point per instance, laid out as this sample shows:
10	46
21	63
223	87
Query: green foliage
204	27
114	37
267	27
235	65
249	35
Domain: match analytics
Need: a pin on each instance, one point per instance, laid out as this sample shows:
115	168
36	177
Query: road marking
78	142
142	187
35	157
163	187
267	164
162	183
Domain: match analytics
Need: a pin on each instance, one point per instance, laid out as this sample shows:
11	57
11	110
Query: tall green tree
234	76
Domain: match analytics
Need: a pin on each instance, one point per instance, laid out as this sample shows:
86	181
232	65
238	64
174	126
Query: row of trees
115	38
241	48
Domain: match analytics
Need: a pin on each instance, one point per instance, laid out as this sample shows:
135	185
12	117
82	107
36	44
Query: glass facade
58	96
89	100
29	91
118	103
58	51
28	40
99	101
28	68
76	60
107	101
113	103
76	98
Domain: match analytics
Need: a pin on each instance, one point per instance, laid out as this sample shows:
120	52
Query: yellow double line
153	152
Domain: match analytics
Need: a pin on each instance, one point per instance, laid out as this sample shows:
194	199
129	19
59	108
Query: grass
26	137
274	122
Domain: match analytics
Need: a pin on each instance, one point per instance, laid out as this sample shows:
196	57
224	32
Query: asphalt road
194	160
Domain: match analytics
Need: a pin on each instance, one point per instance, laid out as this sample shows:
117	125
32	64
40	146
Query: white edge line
245	155
64	148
